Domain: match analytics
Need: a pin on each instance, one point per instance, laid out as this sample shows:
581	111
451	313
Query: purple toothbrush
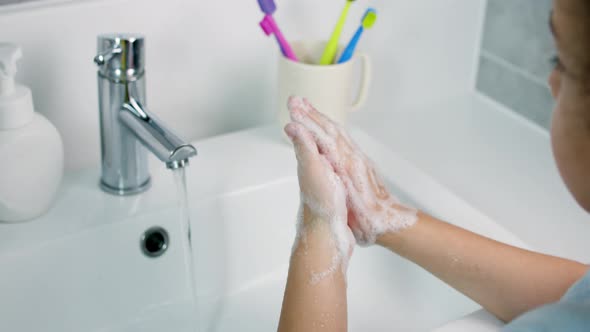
269	26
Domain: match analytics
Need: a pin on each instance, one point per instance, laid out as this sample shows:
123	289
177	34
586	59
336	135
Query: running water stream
185	224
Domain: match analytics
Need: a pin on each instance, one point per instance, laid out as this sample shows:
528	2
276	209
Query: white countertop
495	160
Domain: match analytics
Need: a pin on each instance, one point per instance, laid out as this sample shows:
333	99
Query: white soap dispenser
31	149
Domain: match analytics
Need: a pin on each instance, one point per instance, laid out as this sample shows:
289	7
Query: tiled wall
515	57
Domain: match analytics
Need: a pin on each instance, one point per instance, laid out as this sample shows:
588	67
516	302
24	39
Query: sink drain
154	242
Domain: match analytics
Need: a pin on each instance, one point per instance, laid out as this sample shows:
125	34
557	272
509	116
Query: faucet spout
149	130
128	129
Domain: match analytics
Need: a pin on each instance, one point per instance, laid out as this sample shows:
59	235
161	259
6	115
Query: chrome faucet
127	128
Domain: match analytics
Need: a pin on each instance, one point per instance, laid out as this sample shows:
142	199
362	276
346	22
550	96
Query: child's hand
322	192
323	196
373	211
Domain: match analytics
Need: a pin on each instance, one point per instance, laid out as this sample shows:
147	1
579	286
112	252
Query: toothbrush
332	47
366	23
269	26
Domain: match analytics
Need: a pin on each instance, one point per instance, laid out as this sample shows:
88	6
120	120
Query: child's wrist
322	248
395	238
316	231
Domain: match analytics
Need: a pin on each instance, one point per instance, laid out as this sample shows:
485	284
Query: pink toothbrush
269	26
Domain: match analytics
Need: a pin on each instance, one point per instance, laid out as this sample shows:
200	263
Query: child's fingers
330	126
327	164
331	140
325	143
321	125
327	126
306	149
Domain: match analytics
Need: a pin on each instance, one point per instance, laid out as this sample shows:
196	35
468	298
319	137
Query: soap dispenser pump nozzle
16	101
9	55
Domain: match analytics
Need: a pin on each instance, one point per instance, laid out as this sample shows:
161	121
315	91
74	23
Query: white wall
210	68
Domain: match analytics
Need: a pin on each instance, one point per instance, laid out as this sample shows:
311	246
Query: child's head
570	84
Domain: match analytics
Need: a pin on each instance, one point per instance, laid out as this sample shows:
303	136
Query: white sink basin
80	267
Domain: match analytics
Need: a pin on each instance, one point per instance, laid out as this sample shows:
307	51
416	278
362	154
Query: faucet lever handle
106	56
120	57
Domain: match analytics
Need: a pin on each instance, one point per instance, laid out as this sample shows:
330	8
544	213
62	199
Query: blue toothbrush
366	23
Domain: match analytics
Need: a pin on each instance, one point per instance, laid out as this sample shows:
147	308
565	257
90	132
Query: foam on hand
341	238
374	211
323	196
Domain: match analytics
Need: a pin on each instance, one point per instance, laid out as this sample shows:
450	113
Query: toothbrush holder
329	88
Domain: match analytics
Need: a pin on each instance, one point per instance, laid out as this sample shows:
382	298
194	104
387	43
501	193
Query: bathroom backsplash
211	70
515	57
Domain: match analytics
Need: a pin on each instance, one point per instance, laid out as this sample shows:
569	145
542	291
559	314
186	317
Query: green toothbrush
330	52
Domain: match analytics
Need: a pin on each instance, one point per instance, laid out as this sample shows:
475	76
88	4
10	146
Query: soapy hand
372	209
323	195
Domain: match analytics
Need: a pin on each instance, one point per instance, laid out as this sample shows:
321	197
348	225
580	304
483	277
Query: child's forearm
505	280
315	295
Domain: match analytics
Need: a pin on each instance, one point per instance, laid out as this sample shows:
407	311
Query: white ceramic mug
328	88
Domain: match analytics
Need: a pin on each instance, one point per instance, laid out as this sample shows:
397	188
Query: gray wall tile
10	2
516	49
518	32
530	99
